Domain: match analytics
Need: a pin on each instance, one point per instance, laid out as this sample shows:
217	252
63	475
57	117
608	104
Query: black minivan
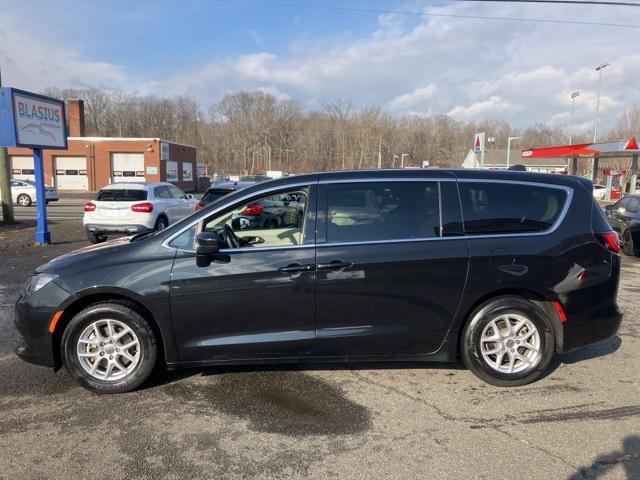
502	268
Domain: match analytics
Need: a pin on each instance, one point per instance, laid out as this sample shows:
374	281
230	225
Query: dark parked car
624	217
502	268
219	190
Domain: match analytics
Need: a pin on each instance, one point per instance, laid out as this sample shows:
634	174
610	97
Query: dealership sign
31	120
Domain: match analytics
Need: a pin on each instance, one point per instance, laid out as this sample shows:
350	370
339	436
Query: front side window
176	192
492	208
266	221
375	211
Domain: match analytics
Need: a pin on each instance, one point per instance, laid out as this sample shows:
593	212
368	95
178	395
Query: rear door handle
334	265
296	268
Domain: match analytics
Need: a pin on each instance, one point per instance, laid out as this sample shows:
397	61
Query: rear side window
492	208
362	212
113	195
599	222
212	195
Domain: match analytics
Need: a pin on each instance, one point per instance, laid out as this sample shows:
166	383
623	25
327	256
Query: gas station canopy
616	148
594	151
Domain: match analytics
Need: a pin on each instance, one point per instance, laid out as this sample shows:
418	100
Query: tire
627	244
93	238
478	352
24	200
80	334
161	224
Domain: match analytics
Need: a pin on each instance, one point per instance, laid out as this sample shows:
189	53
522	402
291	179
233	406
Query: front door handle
334	265
296	268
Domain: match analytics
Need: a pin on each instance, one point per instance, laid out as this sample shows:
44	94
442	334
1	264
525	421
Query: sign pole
42	235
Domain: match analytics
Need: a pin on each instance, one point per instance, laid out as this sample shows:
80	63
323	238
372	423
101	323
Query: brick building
90	163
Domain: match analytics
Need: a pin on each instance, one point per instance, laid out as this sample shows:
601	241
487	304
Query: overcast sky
522	72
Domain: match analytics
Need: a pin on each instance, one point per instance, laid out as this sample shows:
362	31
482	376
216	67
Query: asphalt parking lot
342	421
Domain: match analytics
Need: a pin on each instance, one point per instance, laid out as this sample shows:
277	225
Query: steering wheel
230	237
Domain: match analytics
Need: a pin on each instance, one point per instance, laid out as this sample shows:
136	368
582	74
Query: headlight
38	281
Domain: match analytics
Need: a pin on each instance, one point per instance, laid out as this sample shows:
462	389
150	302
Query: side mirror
206	247
608	208
188	196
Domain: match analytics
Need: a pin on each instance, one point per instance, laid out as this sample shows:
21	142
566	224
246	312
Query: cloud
412	99
521	72
493	107
34	63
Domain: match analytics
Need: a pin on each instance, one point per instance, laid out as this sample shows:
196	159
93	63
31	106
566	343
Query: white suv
132	208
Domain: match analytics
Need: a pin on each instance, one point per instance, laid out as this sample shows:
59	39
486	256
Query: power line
565	2
425	14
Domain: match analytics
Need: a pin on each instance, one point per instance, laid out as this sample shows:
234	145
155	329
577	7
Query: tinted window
212	195
451	214
123	195
599	222
360	212
490	208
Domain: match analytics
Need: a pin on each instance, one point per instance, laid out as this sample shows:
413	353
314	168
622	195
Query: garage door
127	167
22	168
71	173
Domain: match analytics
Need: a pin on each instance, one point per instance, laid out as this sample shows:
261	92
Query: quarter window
362	212
491	208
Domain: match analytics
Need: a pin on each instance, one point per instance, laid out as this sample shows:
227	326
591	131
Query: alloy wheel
108	350
510	343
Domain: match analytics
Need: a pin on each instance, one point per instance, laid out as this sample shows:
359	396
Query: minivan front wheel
509	341
109	348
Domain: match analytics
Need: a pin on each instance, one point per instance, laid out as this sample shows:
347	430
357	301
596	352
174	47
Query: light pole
509	149
594	162
402	159
573	105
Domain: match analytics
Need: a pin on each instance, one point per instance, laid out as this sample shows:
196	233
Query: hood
85	253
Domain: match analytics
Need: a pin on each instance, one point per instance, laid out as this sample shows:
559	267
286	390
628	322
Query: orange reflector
54	321
559	310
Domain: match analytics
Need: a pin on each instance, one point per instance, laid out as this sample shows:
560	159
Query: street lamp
402	159
594	162
573	104
509	149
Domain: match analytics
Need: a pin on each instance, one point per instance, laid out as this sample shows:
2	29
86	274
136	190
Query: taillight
255	209
609	240
145	207
199	206
89	207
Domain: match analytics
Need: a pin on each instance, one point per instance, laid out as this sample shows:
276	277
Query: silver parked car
23	192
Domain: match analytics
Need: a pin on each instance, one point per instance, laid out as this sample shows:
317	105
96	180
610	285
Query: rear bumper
585	331
95	229
592	312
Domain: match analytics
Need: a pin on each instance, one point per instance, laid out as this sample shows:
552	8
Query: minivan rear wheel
508	342
109	348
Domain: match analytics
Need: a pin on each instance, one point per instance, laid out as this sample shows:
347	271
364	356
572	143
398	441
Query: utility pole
594	162
5	186
380	152
573	105
509	150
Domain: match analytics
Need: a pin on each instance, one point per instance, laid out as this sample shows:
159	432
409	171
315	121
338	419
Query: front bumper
96	229
32	317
